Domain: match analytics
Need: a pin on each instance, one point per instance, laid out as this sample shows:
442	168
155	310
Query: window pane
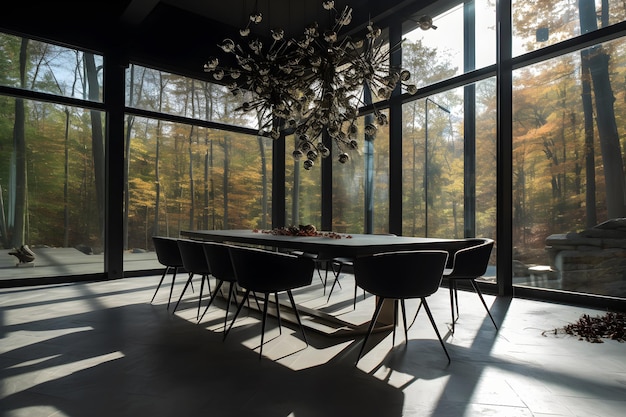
50	68
433	167
162	92
436	55
537	24
183	177
303	189
51	200
363	182
568	172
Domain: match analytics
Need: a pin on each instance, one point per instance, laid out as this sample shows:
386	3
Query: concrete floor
101	349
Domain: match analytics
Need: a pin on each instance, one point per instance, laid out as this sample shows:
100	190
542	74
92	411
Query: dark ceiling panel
180	35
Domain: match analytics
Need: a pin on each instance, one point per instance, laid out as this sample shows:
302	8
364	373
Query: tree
19	149
597	61
97	136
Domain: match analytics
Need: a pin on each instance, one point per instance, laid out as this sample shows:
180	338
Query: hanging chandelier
312	84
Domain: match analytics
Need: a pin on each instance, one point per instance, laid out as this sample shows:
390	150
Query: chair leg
280	329
406	330
219	285
432	321
325	279
419	307
183	293
451	287
456	299
336	281
395	321
160	282
204	277
231	293
480	295
295	310
263	320
371	327
243	301
169	300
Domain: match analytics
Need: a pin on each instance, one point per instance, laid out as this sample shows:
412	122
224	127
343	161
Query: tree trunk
97	138
590	155
225	181
598	62
192	190
19	149
263	181
66	208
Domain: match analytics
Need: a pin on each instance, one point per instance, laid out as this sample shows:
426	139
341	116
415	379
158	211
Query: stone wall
593	260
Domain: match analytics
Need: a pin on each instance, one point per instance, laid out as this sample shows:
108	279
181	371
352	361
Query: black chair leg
280	327
432	321
169	300
395	321
243	301
480	295
406	330
451	284
371	327
160	282
231	293
295	310
263	320
183	293
219	285
204	277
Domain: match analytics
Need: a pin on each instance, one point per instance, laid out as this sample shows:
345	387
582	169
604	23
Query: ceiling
181	34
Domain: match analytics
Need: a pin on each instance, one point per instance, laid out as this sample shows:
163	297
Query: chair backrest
264	271
471	262
218	258
167	251
192	254
402	274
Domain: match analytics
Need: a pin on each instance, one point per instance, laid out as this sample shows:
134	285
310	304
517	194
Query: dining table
332	245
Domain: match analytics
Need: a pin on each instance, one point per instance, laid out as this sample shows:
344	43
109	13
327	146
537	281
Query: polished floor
102	349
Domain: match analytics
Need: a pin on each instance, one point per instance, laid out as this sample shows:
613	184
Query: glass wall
449	139
569	188
52	161
185	176
540	23
193	161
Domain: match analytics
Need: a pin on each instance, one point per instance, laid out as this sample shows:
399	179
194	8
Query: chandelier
312	84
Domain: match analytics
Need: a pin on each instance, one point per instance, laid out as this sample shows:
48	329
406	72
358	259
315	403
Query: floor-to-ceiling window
568	149
449	140
183	175
52	196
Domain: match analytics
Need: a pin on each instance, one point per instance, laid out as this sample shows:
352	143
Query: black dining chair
266	272
400	276
168	255
221	267
322	261
468	264
194	261
338	264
